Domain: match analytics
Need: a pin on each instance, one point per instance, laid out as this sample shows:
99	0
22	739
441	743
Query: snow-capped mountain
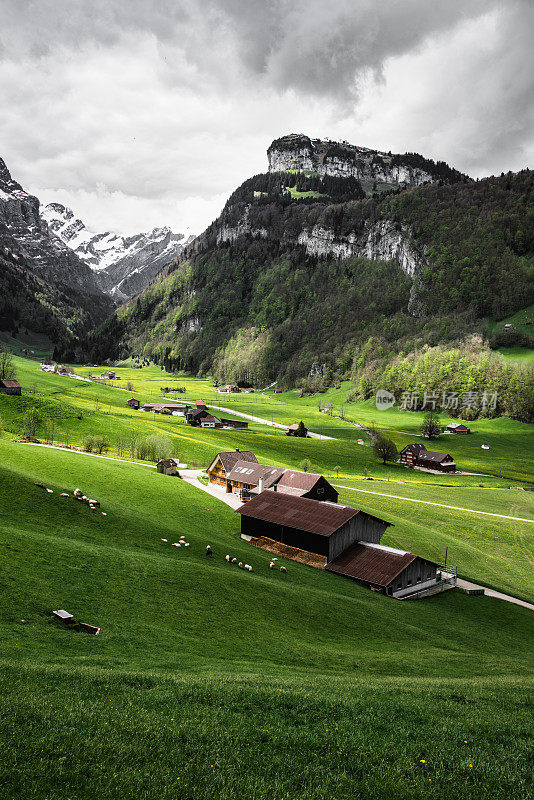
123	265
40	258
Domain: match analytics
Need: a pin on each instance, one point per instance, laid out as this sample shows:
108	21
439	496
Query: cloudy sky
143	113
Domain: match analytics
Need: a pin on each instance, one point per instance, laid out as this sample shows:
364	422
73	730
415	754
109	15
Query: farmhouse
246	477
209	421
167	466
133	403
297	429
457	427
195	415
8	386
108	376
223	463
324	528
416	455
230	387
393	572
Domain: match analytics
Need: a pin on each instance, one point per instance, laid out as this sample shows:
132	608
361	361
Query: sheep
209	551
164	540
186	544
271	565
234	560
283	569
240	565
104	514
95	503
248	567
50	491
64	494
274	559
227	557
77	493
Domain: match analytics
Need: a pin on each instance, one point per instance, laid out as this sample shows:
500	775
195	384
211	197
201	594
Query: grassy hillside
207	681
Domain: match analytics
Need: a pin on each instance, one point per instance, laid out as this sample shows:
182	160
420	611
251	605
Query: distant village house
167	466
416	455
133	403
457	427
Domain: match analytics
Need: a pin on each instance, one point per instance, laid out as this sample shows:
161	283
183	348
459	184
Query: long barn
320	527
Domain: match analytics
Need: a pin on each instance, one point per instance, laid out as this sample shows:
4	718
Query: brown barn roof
167	462
429	455
251	474
416	448
229	460
313	516
372	563
7	383
304	481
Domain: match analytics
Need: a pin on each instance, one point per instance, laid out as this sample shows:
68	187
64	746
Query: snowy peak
125	265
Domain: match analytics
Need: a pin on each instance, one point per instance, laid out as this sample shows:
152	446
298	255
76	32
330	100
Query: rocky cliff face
372	168
123	265
25	235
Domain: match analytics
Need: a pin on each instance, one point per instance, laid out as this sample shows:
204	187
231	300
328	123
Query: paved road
84	453
430	503
191	476
263	421
462	584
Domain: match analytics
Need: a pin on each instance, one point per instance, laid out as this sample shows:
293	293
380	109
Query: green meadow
210	682
207	681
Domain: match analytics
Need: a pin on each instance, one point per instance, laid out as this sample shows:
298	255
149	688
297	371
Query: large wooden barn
416	455
393	572
327	529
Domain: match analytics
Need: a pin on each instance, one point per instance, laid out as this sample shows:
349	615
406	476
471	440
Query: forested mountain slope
301	269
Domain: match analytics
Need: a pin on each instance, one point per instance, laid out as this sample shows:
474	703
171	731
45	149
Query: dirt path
83	453
430	503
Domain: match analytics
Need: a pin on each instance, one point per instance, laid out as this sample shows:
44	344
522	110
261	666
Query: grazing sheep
95	503
209	551
50	491
234	560
240	565
271	565
64	494
186	544
227	558
274	559
283	569
77	493
104	514
248	567
164	540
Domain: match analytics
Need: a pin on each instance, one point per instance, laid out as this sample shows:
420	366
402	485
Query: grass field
210	682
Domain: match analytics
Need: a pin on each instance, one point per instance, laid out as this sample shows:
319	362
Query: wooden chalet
393	572
10	386
416	455
457	427
246	477
108	375
176	409
230	387
223	463
327	529
167	466
133	403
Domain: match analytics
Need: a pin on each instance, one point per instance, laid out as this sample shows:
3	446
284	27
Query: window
320	492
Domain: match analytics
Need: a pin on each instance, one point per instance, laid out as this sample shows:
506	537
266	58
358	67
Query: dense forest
257	307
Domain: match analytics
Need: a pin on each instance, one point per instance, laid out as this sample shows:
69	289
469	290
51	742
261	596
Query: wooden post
446	551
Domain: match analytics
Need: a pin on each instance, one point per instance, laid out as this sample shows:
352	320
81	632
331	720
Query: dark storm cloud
140	111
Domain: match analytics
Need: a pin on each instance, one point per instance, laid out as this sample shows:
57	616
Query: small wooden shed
8	386
167	466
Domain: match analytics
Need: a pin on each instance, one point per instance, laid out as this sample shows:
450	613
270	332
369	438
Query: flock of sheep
78	495
230	559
